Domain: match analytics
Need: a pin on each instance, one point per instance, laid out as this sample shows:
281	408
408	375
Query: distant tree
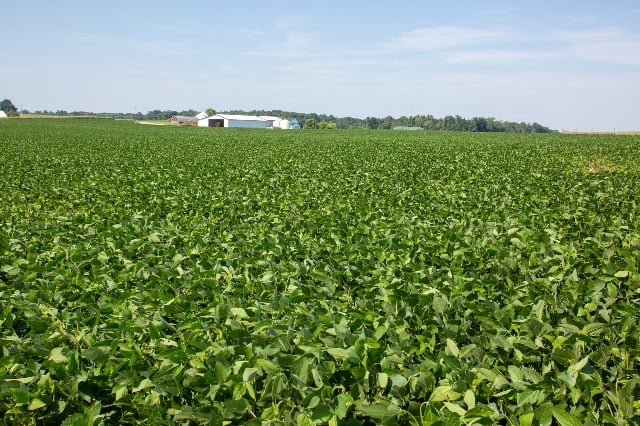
309	123
372	122
8	107
210	111
479	124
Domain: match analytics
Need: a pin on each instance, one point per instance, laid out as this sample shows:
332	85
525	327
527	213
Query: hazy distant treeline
427	122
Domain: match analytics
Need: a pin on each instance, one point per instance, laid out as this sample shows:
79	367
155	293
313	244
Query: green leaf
544	414
11	270
120	390
267	366
75	420
239	313
455	408
578	366
341	354
92	414
470	399
383	379
57	356
380	409
530	397
144	384
35	404
452	348
444	393
398	381
234	408
565	419
621	274
344	401
526	419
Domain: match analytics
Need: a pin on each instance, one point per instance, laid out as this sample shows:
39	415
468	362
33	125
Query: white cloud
442	37
291	22
610	45
297	40
252	32
500	56
151	47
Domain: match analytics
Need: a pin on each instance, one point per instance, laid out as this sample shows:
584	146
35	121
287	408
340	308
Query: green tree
309	123
210	111
8	107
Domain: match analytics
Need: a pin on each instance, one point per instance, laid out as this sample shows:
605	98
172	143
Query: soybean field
177	275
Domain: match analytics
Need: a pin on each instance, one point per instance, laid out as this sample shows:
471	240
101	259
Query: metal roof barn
233	120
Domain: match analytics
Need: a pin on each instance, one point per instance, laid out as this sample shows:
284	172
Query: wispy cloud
151	47
289	37
441	38
491	46
252	32
292	22
610	45
500	56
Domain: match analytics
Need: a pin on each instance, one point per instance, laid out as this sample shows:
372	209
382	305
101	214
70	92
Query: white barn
272	122
280	123
3	114
233	120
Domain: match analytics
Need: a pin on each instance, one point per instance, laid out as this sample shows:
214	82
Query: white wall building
272	121
233	120
290	123
3	114
247	121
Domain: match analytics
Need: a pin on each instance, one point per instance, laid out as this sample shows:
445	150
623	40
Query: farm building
290	123
248	121
3	114
233	120
280	123
407	128
272	121
181	119
202	115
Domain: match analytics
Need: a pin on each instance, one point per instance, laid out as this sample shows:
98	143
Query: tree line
151	115
427	122
324	121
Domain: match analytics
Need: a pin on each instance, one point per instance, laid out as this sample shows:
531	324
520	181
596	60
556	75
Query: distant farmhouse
248	122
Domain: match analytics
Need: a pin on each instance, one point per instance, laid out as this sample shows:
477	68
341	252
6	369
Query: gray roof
407	128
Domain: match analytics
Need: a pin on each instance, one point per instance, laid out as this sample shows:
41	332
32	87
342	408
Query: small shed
407	128
290	123
181	119
3	114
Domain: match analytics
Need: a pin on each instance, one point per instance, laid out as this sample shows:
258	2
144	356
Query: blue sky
567	64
